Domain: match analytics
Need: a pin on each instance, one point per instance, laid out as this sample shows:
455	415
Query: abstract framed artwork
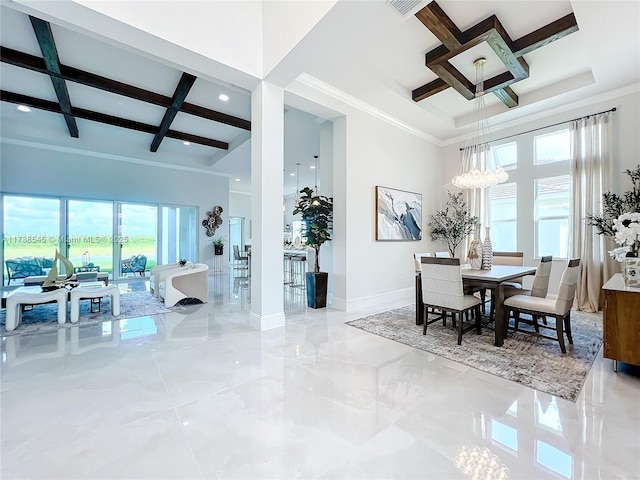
398	215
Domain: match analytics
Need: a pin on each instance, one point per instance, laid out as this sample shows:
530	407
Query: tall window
552	216
530	213
552	147
503	204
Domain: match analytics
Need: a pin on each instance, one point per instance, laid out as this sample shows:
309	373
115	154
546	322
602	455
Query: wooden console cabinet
621	319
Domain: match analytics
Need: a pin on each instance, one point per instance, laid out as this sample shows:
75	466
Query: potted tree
454	223
317	219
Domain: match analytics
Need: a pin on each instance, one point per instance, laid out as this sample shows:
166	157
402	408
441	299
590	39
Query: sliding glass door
31	228
89	237
137	229
120	238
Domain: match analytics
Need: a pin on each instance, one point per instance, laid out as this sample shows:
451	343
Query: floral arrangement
614	205
627	235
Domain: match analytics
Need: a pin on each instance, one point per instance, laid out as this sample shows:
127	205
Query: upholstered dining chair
558	308
417	262
442	290
540	285
442	254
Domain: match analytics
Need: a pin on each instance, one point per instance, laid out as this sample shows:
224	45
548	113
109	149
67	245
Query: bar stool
298	270
286	266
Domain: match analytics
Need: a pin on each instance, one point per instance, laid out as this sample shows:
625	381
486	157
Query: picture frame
398	215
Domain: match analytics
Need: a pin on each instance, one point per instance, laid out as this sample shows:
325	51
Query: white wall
37	171
626	149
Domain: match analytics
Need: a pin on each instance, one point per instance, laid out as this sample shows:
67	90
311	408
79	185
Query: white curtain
590	167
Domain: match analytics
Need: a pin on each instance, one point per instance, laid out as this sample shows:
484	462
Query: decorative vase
631	271
218	249
475	251
487	251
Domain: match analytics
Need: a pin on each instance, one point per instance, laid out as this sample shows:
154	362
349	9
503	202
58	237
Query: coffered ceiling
366	51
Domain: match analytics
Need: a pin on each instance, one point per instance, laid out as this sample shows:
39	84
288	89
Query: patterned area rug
44	317
532	361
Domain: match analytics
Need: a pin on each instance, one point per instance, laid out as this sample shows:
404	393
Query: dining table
492	279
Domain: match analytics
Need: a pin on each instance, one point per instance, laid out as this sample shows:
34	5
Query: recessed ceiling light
312	167
237	179
186	143
292	174
24	108
223	97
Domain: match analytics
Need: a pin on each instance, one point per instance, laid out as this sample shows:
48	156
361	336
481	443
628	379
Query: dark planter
317	289
218	249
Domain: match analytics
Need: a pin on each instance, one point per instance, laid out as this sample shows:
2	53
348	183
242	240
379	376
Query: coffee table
33	296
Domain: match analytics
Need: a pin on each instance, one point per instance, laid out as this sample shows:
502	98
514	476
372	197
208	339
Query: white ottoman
33	296
79	293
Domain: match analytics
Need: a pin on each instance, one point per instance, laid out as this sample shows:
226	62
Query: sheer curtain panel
590	178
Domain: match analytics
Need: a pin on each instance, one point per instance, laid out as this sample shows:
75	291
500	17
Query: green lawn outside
101	253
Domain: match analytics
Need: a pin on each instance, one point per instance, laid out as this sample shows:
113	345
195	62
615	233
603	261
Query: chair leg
478	320
492	307
567	327
459	329
559	323
425	320
453	319
483	296
536	325
516	320
544	319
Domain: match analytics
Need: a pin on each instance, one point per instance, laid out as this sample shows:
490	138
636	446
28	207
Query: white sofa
159	273
185	282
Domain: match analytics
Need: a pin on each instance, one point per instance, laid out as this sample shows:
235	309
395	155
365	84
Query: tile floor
199	394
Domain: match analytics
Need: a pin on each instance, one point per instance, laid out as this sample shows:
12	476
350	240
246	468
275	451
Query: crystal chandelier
479	168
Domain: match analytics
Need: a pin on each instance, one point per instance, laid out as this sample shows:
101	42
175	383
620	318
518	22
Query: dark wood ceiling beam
545	35
30	62
434	18
429	89
491	31
47	45
181	92
507	96
455	79
108	119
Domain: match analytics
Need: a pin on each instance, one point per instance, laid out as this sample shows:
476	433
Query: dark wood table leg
419	303
501	325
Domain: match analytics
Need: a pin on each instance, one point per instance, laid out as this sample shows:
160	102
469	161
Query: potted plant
317	219
218	246
452	224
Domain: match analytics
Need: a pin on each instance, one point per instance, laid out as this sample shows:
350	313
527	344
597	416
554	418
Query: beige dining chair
442	290
558	308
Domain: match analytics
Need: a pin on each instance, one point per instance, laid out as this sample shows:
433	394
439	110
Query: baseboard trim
266	322
391	299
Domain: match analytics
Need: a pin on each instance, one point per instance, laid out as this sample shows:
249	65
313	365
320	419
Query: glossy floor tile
198	393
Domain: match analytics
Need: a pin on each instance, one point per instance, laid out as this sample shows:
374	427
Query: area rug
531	361
44	317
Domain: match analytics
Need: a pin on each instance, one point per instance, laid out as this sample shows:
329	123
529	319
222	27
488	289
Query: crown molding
333	92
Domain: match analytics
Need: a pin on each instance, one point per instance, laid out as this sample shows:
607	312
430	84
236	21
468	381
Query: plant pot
218	249
317	289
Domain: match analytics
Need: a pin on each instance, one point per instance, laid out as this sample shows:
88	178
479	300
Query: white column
267	163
